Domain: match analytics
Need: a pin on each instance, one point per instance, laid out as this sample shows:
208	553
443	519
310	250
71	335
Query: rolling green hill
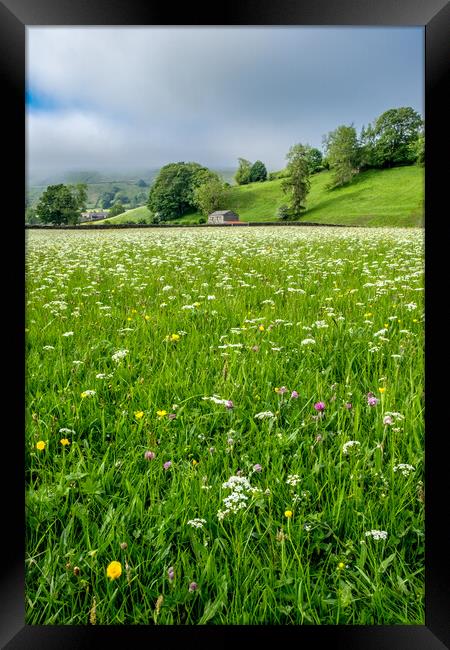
389	197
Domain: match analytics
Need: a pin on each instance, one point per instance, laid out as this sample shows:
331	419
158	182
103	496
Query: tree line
395	138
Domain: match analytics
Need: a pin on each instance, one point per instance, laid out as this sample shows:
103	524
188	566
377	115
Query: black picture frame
434	15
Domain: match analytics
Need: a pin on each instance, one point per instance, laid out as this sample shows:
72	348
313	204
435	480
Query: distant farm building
224	216
93	216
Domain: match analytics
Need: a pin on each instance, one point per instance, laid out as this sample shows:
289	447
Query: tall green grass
231	315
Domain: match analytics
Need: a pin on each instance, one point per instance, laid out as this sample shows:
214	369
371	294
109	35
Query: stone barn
223	216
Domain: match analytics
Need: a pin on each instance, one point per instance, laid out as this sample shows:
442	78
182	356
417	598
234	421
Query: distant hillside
388	197
100	182
95	191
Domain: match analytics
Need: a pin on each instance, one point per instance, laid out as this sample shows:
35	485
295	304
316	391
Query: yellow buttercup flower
139	415
174	337
382	389
161	414
40	445
288	514
65	442
195	462
114	570
196	304
261	328
341	566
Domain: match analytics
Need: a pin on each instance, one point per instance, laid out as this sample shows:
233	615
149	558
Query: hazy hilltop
117	182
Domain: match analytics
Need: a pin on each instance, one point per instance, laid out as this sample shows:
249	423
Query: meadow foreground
225	426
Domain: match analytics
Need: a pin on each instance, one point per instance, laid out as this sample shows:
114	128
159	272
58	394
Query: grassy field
225	427
390	197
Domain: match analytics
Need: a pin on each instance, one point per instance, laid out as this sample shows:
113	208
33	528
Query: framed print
228	431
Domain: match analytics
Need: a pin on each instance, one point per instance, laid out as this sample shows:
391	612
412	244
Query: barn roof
219	212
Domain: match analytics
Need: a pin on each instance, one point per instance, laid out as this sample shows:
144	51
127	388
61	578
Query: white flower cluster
293	480
64	430
394	415
404	468
308	342
348	445
120	354
376	534
217	400
238	498
264	414
196	523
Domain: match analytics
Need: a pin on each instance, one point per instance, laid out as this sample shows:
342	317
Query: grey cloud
164	94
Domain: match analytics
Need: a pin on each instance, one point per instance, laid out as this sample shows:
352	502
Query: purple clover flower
229	404
170	573
167	464
372	401
149	455
193	586
319	406
257	468
349	405
294	394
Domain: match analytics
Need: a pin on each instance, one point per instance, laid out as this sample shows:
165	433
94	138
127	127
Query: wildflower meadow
225	426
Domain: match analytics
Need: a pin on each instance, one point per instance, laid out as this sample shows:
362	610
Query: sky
130	98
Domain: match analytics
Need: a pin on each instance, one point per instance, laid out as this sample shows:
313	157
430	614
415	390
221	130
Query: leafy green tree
141	183
258	172
297	184
80	190
418	150
31	216
242	176
211	196
62	204
343	154
314	160
116	209
121	197
172	193
367	149
106	199
389	141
